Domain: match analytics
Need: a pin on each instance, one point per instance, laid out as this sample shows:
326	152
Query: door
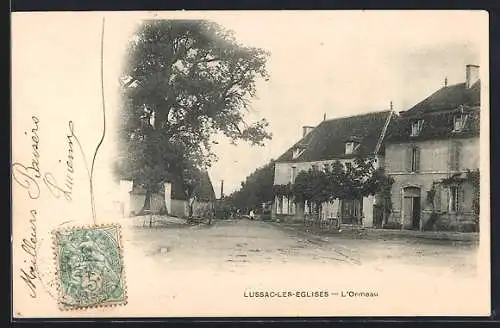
350	211
378	215
411	208
407	211
415	223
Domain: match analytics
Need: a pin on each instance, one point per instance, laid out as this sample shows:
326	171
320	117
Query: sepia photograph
250	164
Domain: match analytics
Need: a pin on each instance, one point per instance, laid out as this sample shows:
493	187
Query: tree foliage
311	186
183	82
283	190
352	180
255	190
473	177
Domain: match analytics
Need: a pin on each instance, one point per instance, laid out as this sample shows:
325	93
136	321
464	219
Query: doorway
351	211
415	213
411	208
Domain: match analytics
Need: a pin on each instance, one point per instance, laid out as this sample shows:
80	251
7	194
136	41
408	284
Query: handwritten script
31	178
29	247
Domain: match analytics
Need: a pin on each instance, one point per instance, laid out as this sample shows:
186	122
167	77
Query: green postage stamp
90	267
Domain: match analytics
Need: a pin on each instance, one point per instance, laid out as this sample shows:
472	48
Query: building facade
432	153
342	140
171	199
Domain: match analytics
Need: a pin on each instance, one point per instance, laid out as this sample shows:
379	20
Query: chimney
306	130
471	75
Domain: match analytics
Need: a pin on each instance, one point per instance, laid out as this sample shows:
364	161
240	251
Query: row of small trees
352	180
255	190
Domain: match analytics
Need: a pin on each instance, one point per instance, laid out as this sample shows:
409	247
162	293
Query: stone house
339	139
171	199
430	150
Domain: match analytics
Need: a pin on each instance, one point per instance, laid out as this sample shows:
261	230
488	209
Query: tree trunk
147	202
190	207
318	213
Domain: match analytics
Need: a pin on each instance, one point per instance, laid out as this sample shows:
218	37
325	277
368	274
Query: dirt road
244	241
201	269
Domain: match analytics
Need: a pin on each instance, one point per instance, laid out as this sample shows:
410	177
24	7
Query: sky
333	63
344	63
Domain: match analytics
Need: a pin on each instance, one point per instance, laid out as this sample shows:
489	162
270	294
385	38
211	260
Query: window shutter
457	156
407	159
454	152
464	121
437	198
461	199
417	159
444	199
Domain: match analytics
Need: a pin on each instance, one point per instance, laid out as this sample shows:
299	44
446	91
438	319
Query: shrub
447	226
468	227
392	225
430	224
266	217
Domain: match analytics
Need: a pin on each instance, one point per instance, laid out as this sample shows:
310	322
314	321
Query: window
291	206
416	127
414	159
459	122
454	155
453	201
297	152
279	208
350	147
307	207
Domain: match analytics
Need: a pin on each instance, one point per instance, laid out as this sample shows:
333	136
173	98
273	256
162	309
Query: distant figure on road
252	215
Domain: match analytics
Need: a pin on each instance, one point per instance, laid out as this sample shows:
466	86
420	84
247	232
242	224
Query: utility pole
221	189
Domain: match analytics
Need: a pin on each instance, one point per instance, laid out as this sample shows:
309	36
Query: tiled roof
448	98
205	191
327	140
435	126
437	112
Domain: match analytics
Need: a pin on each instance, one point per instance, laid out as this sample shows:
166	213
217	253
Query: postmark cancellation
89	267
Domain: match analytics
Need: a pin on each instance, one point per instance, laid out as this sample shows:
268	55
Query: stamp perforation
56	259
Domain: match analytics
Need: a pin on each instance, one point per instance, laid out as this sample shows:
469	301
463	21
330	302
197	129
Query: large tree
183	82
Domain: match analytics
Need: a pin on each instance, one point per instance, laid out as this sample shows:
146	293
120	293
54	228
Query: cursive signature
70	160
56	191
50	181
30	177
26	176
29	274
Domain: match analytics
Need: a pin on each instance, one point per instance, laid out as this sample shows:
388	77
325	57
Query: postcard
250	163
